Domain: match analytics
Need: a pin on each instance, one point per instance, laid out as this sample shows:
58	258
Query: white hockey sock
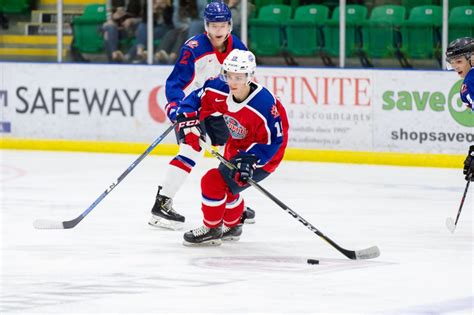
176	176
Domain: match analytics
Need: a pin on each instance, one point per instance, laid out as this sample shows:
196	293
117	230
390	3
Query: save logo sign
435	101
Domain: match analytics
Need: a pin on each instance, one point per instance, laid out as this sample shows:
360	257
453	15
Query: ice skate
231	233
248	216
203	236
163	215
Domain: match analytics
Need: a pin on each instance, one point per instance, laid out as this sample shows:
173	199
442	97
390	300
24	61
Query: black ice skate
203	236
248	216
231	233
163	215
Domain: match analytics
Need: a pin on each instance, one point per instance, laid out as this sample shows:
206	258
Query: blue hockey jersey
467	89
198	61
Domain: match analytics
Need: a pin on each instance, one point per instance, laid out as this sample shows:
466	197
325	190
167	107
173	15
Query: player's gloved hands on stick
171	111
245	165
189	129
469	164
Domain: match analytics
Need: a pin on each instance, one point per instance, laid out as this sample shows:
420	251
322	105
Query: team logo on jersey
192	43
275	112
463	88
237	131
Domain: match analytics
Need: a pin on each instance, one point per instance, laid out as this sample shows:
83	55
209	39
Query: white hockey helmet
240	61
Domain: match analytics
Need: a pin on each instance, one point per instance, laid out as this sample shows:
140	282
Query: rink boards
352	115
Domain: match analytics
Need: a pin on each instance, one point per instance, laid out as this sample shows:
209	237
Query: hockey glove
245	165
189	129
469	164
171	111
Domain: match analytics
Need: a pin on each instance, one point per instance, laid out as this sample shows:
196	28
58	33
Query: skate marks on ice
8	173
279	264
30	293
452	306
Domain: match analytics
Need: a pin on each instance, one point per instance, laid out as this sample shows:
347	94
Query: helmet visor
234	77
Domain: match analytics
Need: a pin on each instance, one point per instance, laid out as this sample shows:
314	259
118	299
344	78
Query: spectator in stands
184	12
235	8
197	26
122	25
162	23
3	20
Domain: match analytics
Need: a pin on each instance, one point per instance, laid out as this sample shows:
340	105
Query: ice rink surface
113	262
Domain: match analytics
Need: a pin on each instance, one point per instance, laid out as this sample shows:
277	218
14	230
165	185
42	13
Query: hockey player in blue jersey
201	58
460	57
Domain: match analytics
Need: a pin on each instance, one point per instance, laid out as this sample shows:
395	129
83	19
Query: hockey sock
214	197
178	170
233	209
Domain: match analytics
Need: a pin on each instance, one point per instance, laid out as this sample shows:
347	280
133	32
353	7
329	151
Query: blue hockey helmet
217	11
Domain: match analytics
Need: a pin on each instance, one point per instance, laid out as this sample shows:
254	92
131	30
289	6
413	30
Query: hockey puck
313	261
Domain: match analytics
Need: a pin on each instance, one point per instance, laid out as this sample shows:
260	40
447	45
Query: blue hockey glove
189	129
171	111
469	164
245	165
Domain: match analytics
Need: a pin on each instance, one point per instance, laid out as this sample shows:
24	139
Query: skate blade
217	242
159	222
231	238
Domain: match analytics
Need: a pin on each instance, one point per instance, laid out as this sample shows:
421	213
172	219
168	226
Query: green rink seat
14	6
265	32
410	4
421	32
86	29
355	17
381	33
304	31
461	22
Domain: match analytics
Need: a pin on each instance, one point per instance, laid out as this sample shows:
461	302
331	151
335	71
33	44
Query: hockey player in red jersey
258	127
201	58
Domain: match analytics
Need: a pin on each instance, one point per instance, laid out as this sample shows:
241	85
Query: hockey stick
450	223
368	253
53	224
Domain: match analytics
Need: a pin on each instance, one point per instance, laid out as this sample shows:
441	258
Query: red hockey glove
189	129
469	164
245	165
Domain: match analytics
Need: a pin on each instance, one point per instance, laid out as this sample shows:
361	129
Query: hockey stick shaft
367	253
47	224
463	198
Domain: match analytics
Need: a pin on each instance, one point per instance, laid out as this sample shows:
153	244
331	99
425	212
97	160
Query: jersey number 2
186	55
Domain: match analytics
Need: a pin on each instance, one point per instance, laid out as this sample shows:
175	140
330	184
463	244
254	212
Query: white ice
113	262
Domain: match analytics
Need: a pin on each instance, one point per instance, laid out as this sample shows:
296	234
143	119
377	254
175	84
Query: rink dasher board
383	111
